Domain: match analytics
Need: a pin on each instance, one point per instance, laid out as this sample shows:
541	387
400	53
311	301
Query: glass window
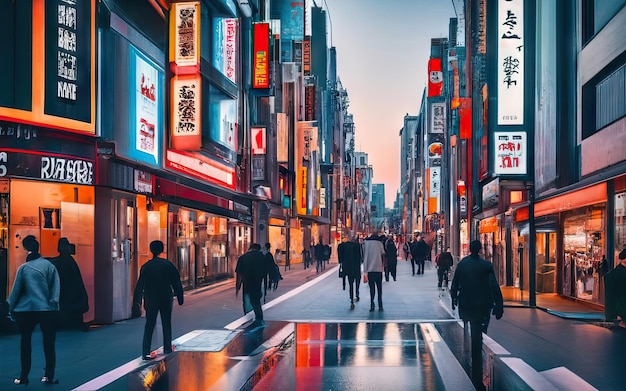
620	224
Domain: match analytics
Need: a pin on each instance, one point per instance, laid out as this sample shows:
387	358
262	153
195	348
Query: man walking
476	291
373	260
419	252
158	282
250	271
350	258
444	262
391	254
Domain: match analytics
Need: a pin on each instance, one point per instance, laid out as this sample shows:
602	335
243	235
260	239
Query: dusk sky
382	58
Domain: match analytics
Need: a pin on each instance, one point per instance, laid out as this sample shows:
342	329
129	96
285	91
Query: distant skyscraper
378	199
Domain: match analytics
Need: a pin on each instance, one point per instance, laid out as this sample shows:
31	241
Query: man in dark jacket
419	252
250	271
476	291
158	282
444	262
350	258
391	258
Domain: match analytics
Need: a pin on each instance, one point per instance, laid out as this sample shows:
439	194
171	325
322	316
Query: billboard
438	118
260	53
282	138
223	123
510	65
225	47
258	140
146	109
510	153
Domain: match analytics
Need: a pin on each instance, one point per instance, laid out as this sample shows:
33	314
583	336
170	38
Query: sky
383	48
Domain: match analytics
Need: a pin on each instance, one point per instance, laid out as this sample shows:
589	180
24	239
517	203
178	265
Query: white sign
230	48
143	182
510	62
510	153
67	61
435	182
146	98
259	142
282	145
438	118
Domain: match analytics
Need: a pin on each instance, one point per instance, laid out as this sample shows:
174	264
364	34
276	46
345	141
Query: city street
304	296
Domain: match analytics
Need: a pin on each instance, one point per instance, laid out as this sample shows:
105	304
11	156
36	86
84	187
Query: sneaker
147	357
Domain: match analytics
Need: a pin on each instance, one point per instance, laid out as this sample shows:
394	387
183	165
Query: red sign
259	146
261	61
201	167
465	118
435	77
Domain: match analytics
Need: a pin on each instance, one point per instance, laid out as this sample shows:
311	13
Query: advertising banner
223	121
282	138
260	52
510	65
510	153
435	149
185	115
201	167
225	47
304	139
146	104
48	167
184	50
309	103
435	77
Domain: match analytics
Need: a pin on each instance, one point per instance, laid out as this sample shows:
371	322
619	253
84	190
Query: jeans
354	284
165	309
26	322
255	302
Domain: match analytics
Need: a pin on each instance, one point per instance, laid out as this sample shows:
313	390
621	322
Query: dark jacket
419	250
250	271
475	288
158	282
615	297
445	260
391	252
73	293
350	257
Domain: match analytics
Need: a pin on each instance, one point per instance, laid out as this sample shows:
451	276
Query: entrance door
123	255
546	262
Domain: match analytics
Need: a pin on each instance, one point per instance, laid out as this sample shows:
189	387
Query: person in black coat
250	271
444	262
391	258
350	258
476	291
158	282
420	251
74	301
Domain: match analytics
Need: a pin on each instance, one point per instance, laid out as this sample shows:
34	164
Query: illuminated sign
259	143
185	112
260	50
510	153
510	65
145	107
435	77
225	47
185	33
438	118
47	167
201	167
306	56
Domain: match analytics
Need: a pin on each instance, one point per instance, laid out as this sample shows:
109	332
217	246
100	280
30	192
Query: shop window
620	223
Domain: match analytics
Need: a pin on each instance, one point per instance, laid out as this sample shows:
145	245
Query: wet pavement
332	346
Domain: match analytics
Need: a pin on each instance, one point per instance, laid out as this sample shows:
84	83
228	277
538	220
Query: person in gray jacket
373	261
34	300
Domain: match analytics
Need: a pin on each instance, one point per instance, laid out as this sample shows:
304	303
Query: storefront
48	195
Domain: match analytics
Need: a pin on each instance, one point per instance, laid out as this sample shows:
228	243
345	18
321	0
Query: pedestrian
250	270
159	282
74	301
476	291
373	260
391	255
419	253
306	257
318	253
350	258
34	300
444	262
269	264
406	251
615	297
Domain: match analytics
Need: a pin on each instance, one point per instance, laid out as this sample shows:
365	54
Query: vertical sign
68	50
438	118
259	145
230	48
260	51
510	62
510	153
185	30
309	103
146	100
186	109
435	77
306	56
282	140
